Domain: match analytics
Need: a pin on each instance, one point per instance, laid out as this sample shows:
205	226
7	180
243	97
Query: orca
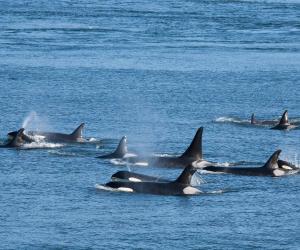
119	152
181	186
283	123
264	122
273	167
286	165
192	153
135	177
16	140
75	136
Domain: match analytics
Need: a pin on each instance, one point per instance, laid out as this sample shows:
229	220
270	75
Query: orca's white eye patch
134	179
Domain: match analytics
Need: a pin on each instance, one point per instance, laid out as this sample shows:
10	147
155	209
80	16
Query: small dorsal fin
77	133
195	148
252	119
272	162
186	175
284	118
17	140
122	148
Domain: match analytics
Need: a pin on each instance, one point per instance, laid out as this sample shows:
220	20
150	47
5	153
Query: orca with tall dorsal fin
284	122
181	186
75	136
16	140
273	167
192	153
120	152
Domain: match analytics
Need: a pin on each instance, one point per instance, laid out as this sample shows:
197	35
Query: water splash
31	117
35	122
35	145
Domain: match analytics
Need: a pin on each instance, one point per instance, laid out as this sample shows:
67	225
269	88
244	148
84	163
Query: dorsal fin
272	162
186	175
122	148
195	148
252	119
284	118
17	140
77	133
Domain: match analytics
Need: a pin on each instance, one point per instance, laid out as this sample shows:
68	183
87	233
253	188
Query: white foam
202	171
118	162
163	155
56	152
141	164
216	192
92	139
42	145
124	162
129	155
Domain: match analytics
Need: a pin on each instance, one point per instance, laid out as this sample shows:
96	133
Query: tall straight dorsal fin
186	175
195	148
17	140
77	133
284	118
272	162
252	119
122	148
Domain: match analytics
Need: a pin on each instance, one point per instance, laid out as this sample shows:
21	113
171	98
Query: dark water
154	71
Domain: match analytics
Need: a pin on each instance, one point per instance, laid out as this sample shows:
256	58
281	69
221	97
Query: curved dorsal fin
186	175
195	148
272	162
284	118
17	140
252	119
122	148
77	133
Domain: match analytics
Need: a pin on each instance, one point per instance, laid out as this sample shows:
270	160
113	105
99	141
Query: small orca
76	136
284	122
286	165
181	186
16	140
135	177
192	153
273	167
264	122
119	152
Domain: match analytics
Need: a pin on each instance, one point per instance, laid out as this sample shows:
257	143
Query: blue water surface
154	71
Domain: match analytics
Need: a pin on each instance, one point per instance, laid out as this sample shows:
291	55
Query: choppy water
154	71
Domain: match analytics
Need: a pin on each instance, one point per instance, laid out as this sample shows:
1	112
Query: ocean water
154	71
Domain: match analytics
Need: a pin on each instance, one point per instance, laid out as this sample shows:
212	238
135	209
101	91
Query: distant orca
135	177
76	136
284	122
193	153
119	152
264	122
181	186
273	167
16	140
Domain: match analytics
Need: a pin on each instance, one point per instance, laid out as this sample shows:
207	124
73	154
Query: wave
228	119
35	145
62	153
